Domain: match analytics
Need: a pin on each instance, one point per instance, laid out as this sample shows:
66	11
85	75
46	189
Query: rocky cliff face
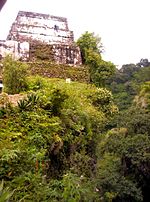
52	31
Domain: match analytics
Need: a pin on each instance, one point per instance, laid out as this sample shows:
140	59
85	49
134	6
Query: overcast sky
123	25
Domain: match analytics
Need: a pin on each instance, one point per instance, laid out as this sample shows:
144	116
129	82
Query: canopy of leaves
126	82
130	142
88	41
91	48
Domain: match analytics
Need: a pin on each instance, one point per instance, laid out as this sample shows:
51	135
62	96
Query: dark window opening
56	27
69	56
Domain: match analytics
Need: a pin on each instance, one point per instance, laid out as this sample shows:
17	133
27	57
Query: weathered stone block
18	50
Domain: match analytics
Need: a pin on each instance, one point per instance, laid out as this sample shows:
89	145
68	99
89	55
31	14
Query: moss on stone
53	70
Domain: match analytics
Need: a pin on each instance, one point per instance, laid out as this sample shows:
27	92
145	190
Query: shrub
5	194
14	76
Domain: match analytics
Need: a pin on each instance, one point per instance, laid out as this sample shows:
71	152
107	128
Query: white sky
123	25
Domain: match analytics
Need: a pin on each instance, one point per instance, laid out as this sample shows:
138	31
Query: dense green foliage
14	76
126	83
136	121
5	194
68	142
57	140
49	139
89	42
131	89
91	48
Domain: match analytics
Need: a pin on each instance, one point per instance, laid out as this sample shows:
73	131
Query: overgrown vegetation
41	51
14	76
91	48
126	83
69	142
52	70
50	137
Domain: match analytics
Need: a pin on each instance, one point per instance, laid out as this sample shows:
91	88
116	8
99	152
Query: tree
91	49
123	166
14	76
126	82
133	146
88	41
102	72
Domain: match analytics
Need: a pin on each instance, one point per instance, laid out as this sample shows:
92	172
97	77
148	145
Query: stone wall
49	29
64	54
58	53
18	50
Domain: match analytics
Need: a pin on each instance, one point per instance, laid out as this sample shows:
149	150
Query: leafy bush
14	76
91	47
5	194
36	83
29	102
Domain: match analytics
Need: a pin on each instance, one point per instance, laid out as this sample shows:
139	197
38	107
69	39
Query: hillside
85	140
51	134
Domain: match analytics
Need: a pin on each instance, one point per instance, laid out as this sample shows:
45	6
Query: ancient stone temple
32	33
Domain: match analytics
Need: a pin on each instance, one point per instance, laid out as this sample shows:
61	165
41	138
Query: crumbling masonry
41	36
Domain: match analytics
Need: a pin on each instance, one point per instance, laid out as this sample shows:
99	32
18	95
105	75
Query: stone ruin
18	50
40	36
